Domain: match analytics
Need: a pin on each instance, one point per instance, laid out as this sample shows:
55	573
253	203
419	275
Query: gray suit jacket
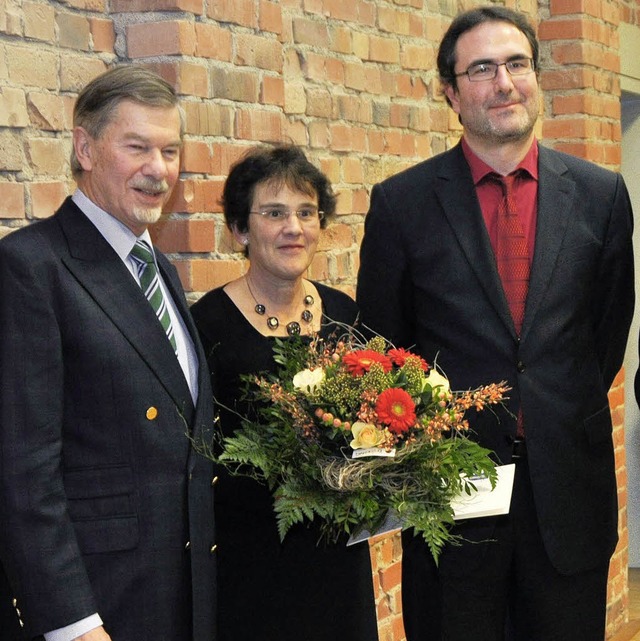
104	506
428	278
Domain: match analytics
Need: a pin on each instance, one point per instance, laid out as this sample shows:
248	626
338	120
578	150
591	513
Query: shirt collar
118	235
480	169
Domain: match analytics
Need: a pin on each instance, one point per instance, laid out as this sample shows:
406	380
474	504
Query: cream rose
435	379
308	380
365	435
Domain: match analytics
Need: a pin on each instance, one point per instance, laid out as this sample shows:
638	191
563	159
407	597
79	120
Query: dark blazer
428	278
104	506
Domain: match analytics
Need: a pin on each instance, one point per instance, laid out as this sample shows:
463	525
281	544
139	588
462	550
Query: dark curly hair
278	165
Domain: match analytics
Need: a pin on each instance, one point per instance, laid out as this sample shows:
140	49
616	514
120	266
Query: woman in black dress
303	589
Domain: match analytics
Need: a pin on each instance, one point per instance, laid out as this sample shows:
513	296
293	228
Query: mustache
150	185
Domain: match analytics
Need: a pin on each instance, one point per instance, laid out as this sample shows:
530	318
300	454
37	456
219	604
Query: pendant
293	328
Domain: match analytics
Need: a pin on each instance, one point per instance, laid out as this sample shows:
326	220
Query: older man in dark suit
106	512
511	261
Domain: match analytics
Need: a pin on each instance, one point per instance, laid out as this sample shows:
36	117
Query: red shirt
525	192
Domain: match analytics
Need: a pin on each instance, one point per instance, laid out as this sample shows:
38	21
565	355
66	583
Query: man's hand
97	634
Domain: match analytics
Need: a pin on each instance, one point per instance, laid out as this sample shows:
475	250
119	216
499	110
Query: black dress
301	589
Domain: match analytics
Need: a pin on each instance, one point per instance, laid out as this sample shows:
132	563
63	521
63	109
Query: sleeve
384	292
38	546
615	297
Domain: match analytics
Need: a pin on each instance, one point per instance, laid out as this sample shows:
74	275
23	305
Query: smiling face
280	250
131	168
501	110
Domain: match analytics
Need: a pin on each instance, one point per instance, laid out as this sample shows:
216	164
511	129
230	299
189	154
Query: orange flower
359	361
396	409
400	356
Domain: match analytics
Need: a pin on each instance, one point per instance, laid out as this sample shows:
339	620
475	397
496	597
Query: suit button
214	481
520	367
213	548
152	413
187	545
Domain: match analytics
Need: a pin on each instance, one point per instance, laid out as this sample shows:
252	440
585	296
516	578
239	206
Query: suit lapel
100	271
457	195
556	197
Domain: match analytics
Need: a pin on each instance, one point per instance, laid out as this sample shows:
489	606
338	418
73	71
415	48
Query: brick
39	21
240	12
121	6
46	197
341	40
73	31
573	78
319	134
103	36
319	268
385	50
192	196
335	71
272	92
188	78
270	17
394	21
184	235
209	119
311	32
341	10
48	156
337	235
90	5
161	38
13	108
295	132
226	154
10	19
265	126
213	42
354	76
197	157
48	112
235	84
418	57
295	99
330	167
360	45
11	200
258	51
200	275
11	148
76	71
32	67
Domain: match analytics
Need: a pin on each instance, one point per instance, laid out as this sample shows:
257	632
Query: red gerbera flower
396	409
359	361
400	356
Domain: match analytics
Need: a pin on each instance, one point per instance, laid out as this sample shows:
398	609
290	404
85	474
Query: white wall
630	85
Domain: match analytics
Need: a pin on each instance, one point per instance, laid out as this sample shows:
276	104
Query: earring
245	241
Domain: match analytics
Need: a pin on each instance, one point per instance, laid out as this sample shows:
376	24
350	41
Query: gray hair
98	101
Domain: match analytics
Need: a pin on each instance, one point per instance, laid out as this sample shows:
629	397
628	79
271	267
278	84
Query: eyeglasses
489	70
306	215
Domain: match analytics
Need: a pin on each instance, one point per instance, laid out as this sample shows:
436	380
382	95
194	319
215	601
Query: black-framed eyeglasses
489	70
306	215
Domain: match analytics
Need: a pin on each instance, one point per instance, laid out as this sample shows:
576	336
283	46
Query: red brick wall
353	81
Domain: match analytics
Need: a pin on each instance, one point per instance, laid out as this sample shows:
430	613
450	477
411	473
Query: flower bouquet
348	431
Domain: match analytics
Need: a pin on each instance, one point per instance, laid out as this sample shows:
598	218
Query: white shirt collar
118	235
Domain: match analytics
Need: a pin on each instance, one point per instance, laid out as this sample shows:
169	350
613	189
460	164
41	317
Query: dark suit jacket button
214	480
213	548
520	367
187	545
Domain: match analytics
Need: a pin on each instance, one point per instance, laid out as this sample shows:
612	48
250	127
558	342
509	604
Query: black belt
519	450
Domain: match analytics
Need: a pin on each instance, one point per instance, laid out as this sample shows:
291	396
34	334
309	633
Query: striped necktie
142	256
